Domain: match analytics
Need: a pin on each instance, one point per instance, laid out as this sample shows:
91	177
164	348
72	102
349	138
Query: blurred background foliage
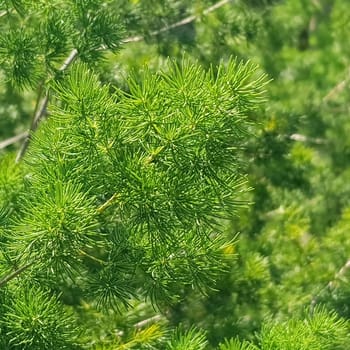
293	246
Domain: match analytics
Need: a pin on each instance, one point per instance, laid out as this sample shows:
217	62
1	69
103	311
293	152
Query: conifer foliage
115	206
121	193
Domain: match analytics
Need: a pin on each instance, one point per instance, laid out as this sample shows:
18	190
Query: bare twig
43	106
303	138
35	122
14	274
92	257
69	60
183	22
12	140
4	13
330	284
337	89
147	321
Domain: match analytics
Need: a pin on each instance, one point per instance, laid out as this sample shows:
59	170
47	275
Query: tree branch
106	204
92	257
337	89
70	59
147	321
12	140
183	22
4	13
330	284
303	138
43	106
14	274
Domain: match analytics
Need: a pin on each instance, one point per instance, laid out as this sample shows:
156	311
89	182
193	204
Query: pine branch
4	280
14	274
43	106
183	22
70	59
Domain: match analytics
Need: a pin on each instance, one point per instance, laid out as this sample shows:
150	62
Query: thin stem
14	274
92	257
330	284
183	22
303	138
43	106
38	99
69	60
106	204
35	123
14	139
337	89
147	321
4	13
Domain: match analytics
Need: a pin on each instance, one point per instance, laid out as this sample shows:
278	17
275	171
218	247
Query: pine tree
121	194
119	210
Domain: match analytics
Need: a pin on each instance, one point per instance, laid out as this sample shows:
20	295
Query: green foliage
140	159
35	320
321	330
30	52
126	207
124	191
235	344
191	340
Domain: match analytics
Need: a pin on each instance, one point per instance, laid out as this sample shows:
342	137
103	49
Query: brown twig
183	22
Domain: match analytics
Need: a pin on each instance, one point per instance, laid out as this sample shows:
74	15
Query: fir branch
4	280
43	106
181	23
14	274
